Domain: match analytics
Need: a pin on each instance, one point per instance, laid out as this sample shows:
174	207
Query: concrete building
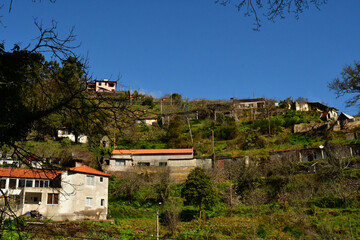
179	162
248	103
121	160
102	86
74	194
66	133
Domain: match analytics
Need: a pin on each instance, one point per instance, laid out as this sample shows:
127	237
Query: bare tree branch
272	9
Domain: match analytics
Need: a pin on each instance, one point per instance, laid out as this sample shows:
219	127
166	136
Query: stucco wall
72	199
74	194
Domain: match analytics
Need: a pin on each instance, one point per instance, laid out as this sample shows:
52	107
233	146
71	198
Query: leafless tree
272	9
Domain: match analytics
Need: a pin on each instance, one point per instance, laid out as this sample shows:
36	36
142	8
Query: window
120	162
251	105
29	183
41	183
99	83
101	179
12	183
53	198
2	183
102	202
144	164
90	180
21	183
106	84
89	201
162	163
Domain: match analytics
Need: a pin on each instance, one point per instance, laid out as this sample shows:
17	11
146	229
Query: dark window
162	163
144	163
46	183
21	183
12	183
29	183
53	198
2	183
102	202
101	179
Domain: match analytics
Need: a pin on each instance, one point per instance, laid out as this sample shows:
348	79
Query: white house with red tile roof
73	194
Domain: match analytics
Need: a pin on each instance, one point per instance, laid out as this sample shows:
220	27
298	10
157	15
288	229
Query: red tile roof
88	170
29	173
154	151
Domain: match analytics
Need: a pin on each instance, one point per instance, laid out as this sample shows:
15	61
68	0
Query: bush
171	214
261	232
228	129
330	201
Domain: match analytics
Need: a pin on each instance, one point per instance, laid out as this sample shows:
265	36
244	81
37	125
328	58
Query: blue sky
199	49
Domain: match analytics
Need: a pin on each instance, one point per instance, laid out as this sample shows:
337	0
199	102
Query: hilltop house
248	103
73	194
102	86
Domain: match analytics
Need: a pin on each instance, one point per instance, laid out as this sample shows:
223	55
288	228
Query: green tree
348	83
199	190
174	131
32	88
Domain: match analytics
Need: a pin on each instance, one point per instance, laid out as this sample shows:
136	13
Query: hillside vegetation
280	199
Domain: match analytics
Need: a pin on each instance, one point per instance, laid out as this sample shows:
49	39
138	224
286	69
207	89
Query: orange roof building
154	151
121	159
74	194
88	170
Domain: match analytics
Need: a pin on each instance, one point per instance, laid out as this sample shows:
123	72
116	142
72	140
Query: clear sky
199	49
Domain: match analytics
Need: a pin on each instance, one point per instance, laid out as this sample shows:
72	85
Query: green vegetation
278	199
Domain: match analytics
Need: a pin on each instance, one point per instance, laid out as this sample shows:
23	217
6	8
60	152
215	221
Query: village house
102	86
122	159
73	194
147	121
248	103
179	162
66	133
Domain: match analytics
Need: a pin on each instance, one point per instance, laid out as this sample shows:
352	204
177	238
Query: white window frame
89	201
120	162
90	180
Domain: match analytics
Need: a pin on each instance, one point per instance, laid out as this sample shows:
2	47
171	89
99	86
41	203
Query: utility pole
213	146
114	141
157	223
192	141
161	111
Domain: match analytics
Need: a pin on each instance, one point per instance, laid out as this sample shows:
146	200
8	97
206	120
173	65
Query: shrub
261	232
329	201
